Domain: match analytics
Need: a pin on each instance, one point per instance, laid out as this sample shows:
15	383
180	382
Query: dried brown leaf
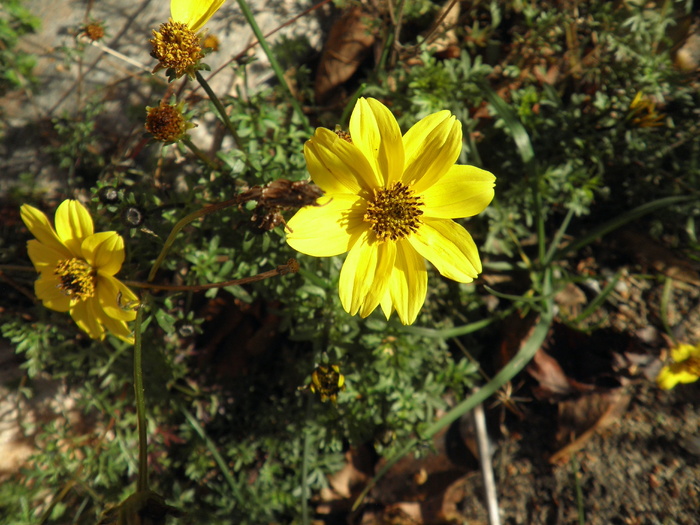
581	418
349	42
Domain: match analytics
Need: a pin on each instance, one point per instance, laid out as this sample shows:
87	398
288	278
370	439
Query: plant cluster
257	380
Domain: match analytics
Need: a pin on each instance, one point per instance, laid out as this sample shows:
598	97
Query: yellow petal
376	133
47	290
86	316
194	13
365	274
104	251
329	229
431	151
671	375
73	224
449	247
119	329
40	227
385	262
666	379
683	351
112	295
338	166
408	284
463	191
44	257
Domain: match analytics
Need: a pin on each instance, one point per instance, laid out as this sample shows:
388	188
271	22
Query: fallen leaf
579	419
349	42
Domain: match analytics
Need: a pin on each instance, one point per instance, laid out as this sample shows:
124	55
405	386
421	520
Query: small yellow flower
327	382
643	112
390	200
684	369
77	269
177	45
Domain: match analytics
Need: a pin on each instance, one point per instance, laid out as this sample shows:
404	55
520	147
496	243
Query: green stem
579	493
219	108
218	458
514	366
142	484
279	73
305	465
200	154
179	226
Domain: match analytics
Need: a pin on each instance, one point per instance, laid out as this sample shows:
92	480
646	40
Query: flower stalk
279	72
219	108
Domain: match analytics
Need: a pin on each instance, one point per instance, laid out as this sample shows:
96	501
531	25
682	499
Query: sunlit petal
115	298
44	257
104	251
449	247
408	284
118	328
73	224
40	227
329	229
194	13
683	351
382	274
337	166
463	191
376	133
364	275
87	318
430	158
47	290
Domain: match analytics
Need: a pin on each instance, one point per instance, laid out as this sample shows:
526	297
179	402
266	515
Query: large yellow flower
77	269
684	369
194	13
176	45
389	202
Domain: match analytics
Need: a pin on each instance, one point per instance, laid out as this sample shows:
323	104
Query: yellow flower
77	269
176	45
327	382
684	369
389	202
643	112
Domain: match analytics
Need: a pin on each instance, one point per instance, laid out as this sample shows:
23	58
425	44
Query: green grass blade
621	220
515	365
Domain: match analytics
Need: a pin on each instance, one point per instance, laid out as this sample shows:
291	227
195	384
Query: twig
482	440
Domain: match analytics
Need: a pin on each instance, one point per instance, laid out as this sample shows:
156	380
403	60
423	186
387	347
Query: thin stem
291	267
219	108
482	439
180	225
305	466
199	153
579	492
394	44
16	268
514	366
142	484
218	458
279	73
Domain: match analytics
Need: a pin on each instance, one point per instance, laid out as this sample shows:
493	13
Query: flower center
77	278
176	46
394	213
692	365
166	123
345	135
